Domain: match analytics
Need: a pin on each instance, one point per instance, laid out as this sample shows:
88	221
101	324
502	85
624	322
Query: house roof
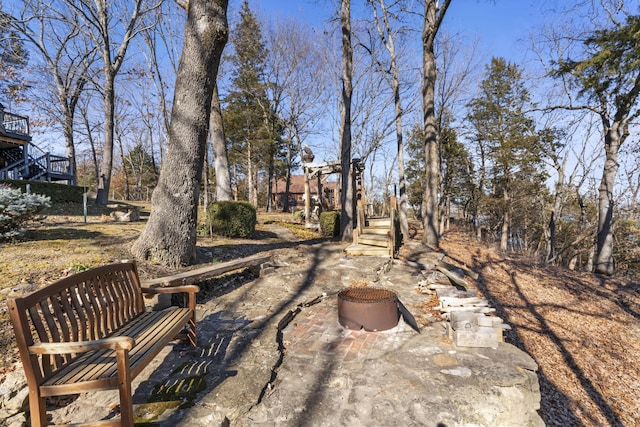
297	185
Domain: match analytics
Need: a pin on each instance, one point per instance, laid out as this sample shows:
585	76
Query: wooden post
307	199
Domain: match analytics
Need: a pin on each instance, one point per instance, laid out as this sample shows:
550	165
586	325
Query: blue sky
502	26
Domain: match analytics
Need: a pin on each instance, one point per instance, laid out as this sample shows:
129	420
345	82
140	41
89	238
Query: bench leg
193	338
124	388
37	409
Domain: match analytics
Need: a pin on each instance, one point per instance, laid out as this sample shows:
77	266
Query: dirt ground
583	330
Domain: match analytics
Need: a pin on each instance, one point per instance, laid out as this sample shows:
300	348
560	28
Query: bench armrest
113	343
192	290
170	289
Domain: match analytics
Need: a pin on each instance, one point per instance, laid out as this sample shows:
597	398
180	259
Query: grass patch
299	230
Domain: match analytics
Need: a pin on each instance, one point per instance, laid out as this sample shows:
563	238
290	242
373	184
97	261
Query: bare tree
219	144
161	39
170	234
346	196
90	132
297	78
96	18
558	146
607	77
433	16
67	58
388	37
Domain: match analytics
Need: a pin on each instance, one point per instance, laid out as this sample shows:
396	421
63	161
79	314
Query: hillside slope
582	329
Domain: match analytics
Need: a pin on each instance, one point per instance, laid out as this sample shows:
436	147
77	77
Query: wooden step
365	250
373	240
374	230
378	222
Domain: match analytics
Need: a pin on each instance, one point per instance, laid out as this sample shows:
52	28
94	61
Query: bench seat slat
98	370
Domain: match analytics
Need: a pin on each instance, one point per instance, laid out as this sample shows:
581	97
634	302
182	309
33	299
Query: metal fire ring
374	309
367	295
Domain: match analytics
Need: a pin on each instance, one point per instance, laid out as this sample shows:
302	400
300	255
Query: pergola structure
321	172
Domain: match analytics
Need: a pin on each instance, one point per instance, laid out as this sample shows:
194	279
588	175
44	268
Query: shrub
330	223
58	193
232	219
16	208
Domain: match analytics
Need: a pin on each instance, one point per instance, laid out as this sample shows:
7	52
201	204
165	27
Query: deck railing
38	164
14	123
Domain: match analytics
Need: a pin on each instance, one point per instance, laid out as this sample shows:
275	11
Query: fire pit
374	309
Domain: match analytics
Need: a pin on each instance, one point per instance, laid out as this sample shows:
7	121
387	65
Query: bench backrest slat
67	309
52	328
106	306
86	306
78	313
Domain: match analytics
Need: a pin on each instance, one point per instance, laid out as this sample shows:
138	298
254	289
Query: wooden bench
90	331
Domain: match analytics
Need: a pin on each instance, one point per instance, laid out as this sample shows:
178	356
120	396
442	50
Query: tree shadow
189	371
209	365
551	396
63	233
231	251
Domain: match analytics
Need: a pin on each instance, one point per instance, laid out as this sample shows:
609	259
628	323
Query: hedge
58	193
232	219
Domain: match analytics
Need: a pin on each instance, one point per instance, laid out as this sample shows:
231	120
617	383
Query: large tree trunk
170	235
223	177
70	147
432	159
346	178
433	16
604	248
106	165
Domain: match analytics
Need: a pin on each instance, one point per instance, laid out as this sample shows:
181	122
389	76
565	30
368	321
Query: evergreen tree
415	170
250	124
507	134
456	171
608	76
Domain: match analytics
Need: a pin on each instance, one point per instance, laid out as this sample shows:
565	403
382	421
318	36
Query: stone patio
271	352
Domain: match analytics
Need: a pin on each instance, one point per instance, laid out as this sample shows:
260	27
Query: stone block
480	337
131	215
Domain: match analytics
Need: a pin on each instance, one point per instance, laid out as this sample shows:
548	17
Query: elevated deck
22	160
14	129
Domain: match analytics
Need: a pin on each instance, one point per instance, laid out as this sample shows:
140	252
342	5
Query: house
22	160
330	193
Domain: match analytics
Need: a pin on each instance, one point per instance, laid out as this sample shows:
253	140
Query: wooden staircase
374	239
22	160
375	236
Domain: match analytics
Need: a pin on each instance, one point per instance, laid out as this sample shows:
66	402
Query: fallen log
466	271
200	274
453	277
